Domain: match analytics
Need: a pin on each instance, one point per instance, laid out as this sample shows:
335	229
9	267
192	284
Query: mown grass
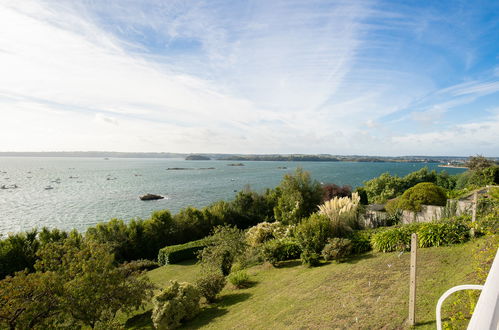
369	291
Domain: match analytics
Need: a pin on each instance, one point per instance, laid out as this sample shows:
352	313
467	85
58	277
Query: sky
347	77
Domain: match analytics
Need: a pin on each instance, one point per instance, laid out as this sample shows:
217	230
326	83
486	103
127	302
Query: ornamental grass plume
344	213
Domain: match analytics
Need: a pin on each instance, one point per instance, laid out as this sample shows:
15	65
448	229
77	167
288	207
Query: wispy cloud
222	76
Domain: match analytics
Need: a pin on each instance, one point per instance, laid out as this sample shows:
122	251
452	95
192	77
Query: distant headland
445	161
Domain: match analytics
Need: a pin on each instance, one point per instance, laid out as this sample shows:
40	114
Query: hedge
175	253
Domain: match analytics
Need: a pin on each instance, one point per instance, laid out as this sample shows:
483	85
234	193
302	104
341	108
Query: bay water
91	190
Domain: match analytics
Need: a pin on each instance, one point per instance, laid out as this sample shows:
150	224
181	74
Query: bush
425	193
137	266
429	234
313	233
332	190
394	239
364	200
223	248
442	233
280	250
263	232
239	279
310	258
210	285
337	249
176	253
175	304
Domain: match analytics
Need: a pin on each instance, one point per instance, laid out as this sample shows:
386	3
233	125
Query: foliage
478	163
76	283
386	186
283	249
392	206
252	208
337	249
310	258
94	288
344	214
175	304
265	231
394	239
332	190
223	247
364	200
175	253
312	233
210	284
429	234
297	197
361	240
139	266
30	300
239	279
18	252
442	233
424	193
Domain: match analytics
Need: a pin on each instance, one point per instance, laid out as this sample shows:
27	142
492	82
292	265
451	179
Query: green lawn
369	291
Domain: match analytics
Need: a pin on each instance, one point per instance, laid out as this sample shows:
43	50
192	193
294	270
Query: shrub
364	200
210	285
176	253
394	239
137	266
239	279
264	231
337	249
310	258
332	190
280	250
223	247
425	193
442	233
313	232
361	240
174	304
392	206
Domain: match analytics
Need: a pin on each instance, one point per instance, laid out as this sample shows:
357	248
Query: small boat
49	187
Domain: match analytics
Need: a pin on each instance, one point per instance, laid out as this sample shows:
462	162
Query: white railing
486	313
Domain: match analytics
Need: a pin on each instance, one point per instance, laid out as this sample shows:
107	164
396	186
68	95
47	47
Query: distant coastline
444	161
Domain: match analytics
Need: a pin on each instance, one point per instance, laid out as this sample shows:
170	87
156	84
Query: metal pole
412	283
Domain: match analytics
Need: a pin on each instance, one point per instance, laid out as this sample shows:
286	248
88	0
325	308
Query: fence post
412	282
473	213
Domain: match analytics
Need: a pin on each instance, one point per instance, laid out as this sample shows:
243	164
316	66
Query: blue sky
339	77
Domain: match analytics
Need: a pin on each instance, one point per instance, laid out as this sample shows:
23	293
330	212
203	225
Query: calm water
92	190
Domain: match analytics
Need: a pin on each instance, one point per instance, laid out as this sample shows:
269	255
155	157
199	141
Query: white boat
49	187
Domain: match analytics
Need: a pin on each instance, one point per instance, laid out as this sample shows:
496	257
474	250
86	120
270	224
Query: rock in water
150	197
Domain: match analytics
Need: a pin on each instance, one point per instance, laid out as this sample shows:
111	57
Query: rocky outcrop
150	197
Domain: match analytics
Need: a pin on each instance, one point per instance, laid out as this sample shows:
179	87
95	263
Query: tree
94	289
30	300
298	197
478	162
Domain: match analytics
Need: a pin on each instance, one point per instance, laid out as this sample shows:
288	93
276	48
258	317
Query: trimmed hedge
175	253
429	234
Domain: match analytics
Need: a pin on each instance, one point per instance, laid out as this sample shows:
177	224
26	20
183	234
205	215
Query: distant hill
197	157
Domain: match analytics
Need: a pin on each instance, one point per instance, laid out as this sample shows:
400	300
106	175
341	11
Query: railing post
412	281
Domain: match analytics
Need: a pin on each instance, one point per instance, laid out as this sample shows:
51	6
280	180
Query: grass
368	291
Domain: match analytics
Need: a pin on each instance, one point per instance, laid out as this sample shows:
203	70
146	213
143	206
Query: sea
75	193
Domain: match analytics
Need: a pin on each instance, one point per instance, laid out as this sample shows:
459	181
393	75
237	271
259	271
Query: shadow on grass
187	262
355	259
211	312
140	321
289	264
